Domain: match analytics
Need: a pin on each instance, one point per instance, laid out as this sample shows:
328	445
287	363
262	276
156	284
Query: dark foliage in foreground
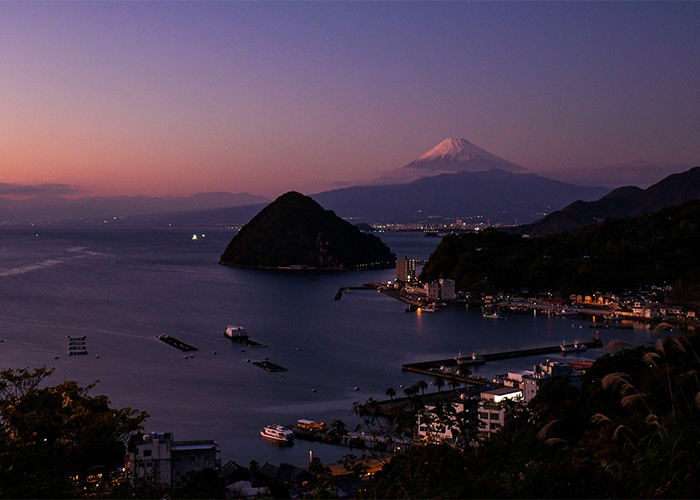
55	440
631	431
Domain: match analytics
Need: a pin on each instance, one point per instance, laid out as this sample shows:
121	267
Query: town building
493	410
492	417
501	394
432	428
533	382
158	457
406	270
442	289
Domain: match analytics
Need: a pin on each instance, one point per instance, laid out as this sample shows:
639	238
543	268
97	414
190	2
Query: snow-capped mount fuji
460	155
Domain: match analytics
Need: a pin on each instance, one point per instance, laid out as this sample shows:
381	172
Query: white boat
576	346
277	433
236	332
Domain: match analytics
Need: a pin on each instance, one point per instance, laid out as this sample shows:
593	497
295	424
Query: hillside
618	255
623	202
295	231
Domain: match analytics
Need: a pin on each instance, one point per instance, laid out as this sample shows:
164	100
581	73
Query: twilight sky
175	98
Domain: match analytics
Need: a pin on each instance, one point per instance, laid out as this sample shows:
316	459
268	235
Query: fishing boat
474	359
236	332
277	433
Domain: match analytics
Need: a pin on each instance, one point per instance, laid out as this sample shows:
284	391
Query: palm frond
617	381
544	432
600	418
629	400
553	441
651	358
614	345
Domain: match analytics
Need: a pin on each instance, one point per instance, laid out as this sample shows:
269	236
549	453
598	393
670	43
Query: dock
434	367
177	344
269	366
346	289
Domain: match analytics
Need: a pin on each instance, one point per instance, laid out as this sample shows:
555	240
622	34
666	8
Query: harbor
449	368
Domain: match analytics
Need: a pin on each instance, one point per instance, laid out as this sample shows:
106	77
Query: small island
294	232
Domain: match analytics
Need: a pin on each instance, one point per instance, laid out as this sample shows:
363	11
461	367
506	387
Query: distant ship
277	433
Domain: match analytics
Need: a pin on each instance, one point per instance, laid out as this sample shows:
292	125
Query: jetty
347	289
269	366
437	368
177	344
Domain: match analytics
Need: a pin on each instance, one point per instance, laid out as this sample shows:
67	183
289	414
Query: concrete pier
433	367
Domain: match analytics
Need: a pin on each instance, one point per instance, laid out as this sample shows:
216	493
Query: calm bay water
123	287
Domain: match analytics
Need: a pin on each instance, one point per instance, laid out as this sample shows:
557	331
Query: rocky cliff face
296	232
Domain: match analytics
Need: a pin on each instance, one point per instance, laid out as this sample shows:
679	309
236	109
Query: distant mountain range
626	201
495	194
455	179
56	208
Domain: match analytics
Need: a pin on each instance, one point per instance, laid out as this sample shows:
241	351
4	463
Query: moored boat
236	332
493	315
474	359
277	433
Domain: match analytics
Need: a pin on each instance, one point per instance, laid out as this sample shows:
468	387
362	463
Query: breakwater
437	367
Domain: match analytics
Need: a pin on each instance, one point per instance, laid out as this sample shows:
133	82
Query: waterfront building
447	289
442	289
158	457
436	429
492	417
501	394
434	291
406	270
533	382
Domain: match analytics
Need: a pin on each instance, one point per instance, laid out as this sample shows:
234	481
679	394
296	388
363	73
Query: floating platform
177	344
248	343
269	366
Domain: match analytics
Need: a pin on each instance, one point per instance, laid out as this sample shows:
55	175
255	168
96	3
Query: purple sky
175	98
